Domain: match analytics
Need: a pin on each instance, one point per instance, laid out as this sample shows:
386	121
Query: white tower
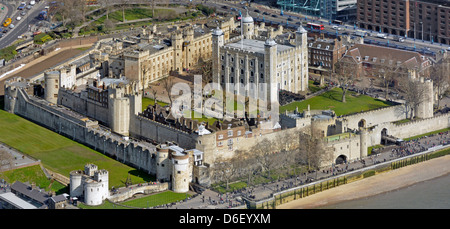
180	172
302	75
162	163
247	25
76	183
102	177
270	92
51	86
217	42
425	108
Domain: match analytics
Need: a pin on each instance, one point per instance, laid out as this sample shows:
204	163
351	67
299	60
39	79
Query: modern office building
344	10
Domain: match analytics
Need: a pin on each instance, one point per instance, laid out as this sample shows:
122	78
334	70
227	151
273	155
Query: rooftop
255	46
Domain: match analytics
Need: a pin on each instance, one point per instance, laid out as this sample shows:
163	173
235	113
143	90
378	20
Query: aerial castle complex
252	61
97	100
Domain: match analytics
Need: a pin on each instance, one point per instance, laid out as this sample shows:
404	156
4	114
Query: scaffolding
308	7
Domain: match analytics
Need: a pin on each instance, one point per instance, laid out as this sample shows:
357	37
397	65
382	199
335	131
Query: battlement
418	121
239	50
140	116
136	53
365	113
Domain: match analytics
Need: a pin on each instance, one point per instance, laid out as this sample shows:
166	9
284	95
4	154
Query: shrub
8	53
369	173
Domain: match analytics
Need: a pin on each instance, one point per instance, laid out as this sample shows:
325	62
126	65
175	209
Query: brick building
427	19
323	53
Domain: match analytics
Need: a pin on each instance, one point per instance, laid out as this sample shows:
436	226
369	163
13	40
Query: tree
225	169
266	155
105	4
154	92
124	4
439	73
388	72
205	68
109	25
414	95
345	74
167	84
312	150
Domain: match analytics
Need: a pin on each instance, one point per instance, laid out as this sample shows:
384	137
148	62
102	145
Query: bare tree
387	71
414	95
205	68
439	73
105	4
345	74
225	169
266	155
154	92
167	84
109	25
246	164
312	150
64	10
124	4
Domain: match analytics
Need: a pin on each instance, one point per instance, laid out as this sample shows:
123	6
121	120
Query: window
220	136
230	133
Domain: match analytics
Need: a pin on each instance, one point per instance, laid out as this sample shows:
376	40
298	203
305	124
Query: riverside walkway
213	200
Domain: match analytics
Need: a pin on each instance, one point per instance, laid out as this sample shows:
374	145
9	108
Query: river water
431	194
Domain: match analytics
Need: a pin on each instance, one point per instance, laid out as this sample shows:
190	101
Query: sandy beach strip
374	185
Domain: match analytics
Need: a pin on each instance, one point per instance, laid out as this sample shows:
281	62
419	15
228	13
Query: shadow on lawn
141	174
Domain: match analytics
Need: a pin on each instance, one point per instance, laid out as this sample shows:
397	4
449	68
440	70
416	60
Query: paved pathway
18	159
212	200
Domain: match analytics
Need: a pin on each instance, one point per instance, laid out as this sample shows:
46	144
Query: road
296	19
22	26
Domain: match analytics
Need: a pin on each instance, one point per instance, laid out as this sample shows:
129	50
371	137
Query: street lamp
422	29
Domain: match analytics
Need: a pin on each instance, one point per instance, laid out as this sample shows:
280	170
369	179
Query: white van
382	35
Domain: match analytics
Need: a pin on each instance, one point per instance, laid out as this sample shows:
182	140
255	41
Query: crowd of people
420	144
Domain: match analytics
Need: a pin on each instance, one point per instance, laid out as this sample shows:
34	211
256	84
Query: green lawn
59	153
332	100
148	101
135	13
143	202
313	87
33	174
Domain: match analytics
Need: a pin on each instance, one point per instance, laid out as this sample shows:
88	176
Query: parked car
22	6
32	3
382	35
336	27
11	26
19	18
400	39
